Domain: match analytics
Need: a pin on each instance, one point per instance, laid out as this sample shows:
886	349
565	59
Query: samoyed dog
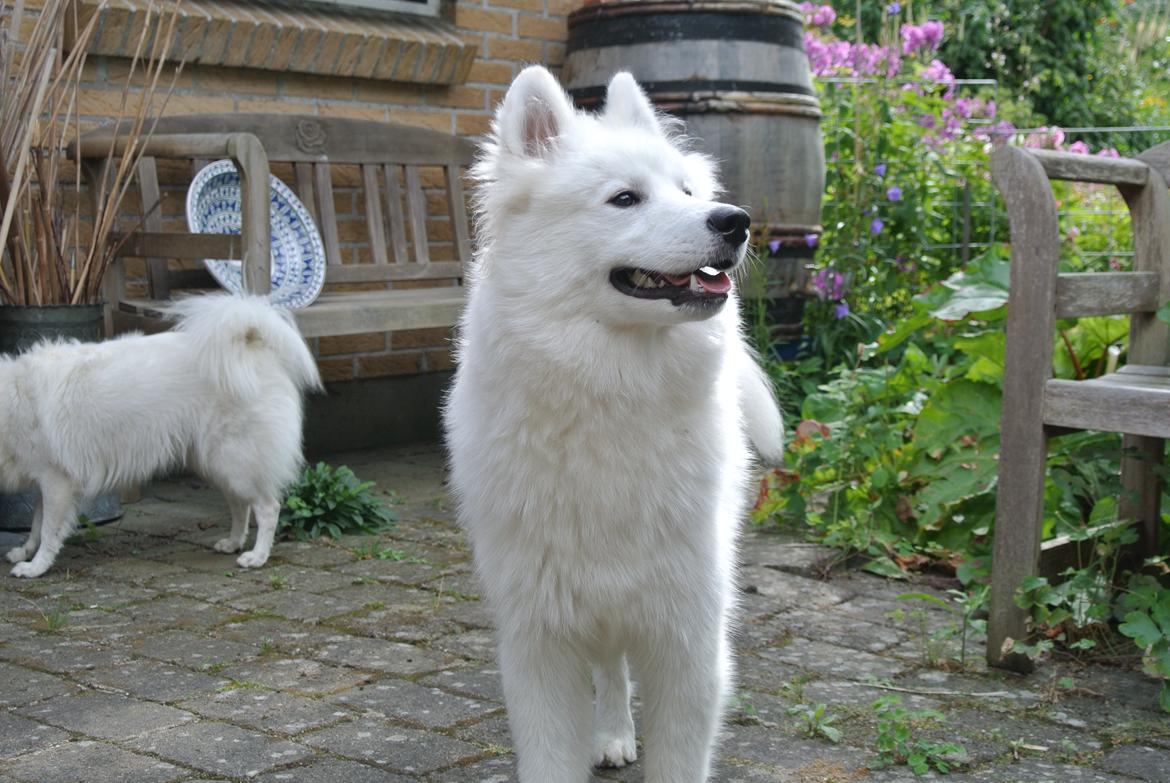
598	430
220	394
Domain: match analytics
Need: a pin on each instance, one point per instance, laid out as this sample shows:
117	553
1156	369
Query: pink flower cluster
926	36
834	58
818	15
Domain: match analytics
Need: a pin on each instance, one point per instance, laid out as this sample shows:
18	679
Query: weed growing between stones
898	740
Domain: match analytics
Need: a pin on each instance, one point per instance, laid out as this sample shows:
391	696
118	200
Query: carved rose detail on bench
310	137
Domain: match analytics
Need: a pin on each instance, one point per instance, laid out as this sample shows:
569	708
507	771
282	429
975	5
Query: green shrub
332	502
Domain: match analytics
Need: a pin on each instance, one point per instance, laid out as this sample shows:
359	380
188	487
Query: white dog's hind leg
241	511
21	553
683	690
267	513
58	516
546	688
613	725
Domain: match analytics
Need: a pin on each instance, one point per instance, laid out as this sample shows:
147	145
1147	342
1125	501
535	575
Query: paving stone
299	675
481	683
384	656
401	623
299	578
134	570
296	605
195	650
410	702
766	676
778	591
828	628
56	654
477	645
787	553
174	612
1152	764
20	685
493	732
830	660
87	761
286	636
88	592
19	735
842	693
221	749
105	715
208	586
333	771
794	757
498	769
153	680
267	710
402	750
311	554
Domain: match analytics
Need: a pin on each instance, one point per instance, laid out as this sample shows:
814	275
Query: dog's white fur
599	442
220	394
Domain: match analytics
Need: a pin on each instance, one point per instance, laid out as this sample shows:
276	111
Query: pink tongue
718	283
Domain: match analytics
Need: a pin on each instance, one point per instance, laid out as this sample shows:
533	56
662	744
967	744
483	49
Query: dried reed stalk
45	258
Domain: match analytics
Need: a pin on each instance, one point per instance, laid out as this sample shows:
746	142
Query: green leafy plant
327	501
962	606
816	721
898	740
1146	620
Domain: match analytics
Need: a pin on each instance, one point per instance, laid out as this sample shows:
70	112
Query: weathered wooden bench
1134	400
375	289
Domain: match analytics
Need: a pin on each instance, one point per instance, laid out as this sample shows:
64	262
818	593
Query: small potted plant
54	252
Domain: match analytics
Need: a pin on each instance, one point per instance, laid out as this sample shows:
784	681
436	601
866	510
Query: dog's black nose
731	222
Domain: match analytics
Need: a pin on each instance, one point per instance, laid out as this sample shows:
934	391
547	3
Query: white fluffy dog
221	394
599	426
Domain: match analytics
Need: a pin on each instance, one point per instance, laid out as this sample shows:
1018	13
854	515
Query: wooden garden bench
380	164
1134	400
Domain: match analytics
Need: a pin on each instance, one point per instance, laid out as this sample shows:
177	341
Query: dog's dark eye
686	189
627	198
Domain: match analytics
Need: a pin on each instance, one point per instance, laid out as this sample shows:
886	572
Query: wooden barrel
737	73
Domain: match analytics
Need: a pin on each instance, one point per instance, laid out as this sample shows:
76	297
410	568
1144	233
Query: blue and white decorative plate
298	255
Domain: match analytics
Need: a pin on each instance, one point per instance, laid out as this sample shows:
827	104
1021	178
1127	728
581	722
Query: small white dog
598	429
221	394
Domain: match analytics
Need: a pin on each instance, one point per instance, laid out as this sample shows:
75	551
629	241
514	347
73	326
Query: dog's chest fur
590	484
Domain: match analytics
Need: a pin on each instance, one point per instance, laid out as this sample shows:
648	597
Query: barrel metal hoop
715	95
600	32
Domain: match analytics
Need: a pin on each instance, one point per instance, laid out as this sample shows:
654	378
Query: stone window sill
302	39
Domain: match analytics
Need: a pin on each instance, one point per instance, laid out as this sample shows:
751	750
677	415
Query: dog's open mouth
705	286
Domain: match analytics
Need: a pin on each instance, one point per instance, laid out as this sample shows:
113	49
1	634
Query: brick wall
506	34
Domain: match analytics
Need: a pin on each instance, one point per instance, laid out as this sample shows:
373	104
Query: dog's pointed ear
535	111
626	104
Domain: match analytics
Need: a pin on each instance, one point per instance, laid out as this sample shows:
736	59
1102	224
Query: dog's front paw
609	751
29	570
252	559
17	555
228	546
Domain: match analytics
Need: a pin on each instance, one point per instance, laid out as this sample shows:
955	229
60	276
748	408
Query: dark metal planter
20	328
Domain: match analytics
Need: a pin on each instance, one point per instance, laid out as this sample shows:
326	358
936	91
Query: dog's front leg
21	553
58	516
546	687
684	686
267	513
241	511
613	725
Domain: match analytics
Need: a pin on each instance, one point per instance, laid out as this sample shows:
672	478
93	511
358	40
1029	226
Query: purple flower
811	240
774	245
894	193
841	310
876	226
824	16
938	72
893	9
880	169
932	33
1079	147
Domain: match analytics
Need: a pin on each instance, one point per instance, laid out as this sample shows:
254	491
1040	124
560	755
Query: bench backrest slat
457	207
1082	294
305	190
416	208
373	201
323	182
149	201
394	212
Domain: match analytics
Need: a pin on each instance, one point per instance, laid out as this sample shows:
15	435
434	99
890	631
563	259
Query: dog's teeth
710	271
639	279
694	284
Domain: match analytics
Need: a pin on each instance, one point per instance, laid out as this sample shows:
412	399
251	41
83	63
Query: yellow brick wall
508	35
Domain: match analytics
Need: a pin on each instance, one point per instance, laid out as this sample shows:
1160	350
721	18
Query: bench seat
1135	400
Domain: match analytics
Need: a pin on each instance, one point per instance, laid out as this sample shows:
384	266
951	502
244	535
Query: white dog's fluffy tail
231	333
762	420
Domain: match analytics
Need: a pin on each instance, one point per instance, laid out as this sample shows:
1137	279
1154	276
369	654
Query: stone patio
144	657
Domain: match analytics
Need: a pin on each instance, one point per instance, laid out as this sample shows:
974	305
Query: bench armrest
245	150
